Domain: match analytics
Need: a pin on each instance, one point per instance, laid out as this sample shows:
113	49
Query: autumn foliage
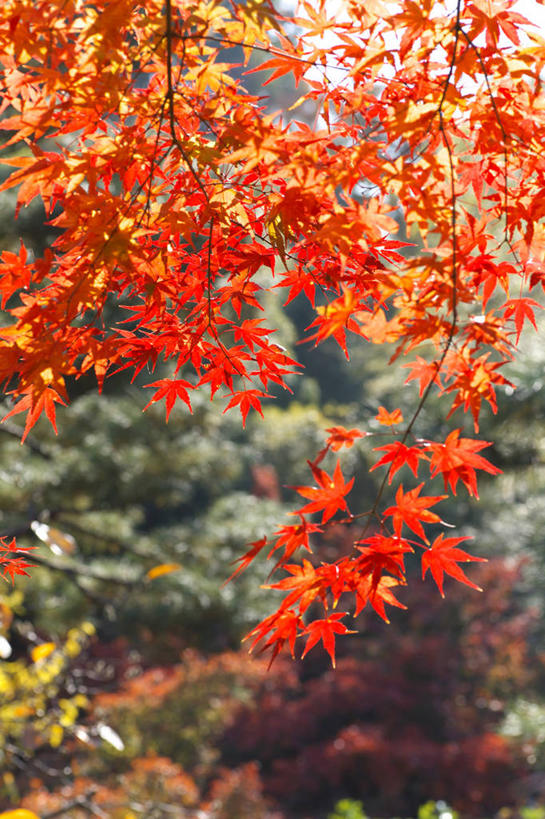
414	711
179	198
396	724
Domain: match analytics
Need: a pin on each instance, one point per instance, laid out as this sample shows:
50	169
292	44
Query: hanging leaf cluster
180	198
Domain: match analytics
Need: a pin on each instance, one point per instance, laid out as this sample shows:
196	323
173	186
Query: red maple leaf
457	459
171	389
443	557
325	630
521	310
398	454
389	419
282	627
424	371
304	585
411	509
329	496
377	595
339	437
383	554
34	405
247	558
246	400
12	559
291	538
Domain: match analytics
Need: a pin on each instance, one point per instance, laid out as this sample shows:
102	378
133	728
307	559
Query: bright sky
533	10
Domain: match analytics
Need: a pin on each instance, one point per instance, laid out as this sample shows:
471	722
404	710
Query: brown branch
170	102
454	276
17	432
85	802
505	136
79	570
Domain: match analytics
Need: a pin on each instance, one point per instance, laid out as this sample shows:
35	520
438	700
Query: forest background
124	691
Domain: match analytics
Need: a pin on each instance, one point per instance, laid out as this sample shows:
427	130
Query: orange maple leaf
411	509
329	496
325	630
457	459
340	436
389	419
377	595
443	557
397	455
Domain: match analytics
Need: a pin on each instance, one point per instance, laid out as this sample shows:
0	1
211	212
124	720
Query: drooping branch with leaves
181	198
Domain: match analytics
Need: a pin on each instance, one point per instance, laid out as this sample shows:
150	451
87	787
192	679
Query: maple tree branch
170	102
187	159
209	273
454	275
63	515
282	183
506	138
78	570
24	761
457	30
454	278
169	97
84	802
275	52
460	30
153	162
487	81
17	432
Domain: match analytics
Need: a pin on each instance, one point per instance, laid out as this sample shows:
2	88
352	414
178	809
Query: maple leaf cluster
377	565
13	559
178	197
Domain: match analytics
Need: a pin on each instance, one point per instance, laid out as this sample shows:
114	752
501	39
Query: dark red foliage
411	713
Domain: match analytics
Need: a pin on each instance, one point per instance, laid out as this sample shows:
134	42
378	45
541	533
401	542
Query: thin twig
17	432
80	570
454	277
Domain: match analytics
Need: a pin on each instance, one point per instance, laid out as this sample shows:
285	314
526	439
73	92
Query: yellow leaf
72	646
69	713
418	110
20	813
55	736
41	652
88	628
163	568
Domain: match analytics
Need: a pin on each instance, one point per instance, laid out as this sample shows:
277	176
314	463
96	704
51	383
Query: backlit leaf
162	569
